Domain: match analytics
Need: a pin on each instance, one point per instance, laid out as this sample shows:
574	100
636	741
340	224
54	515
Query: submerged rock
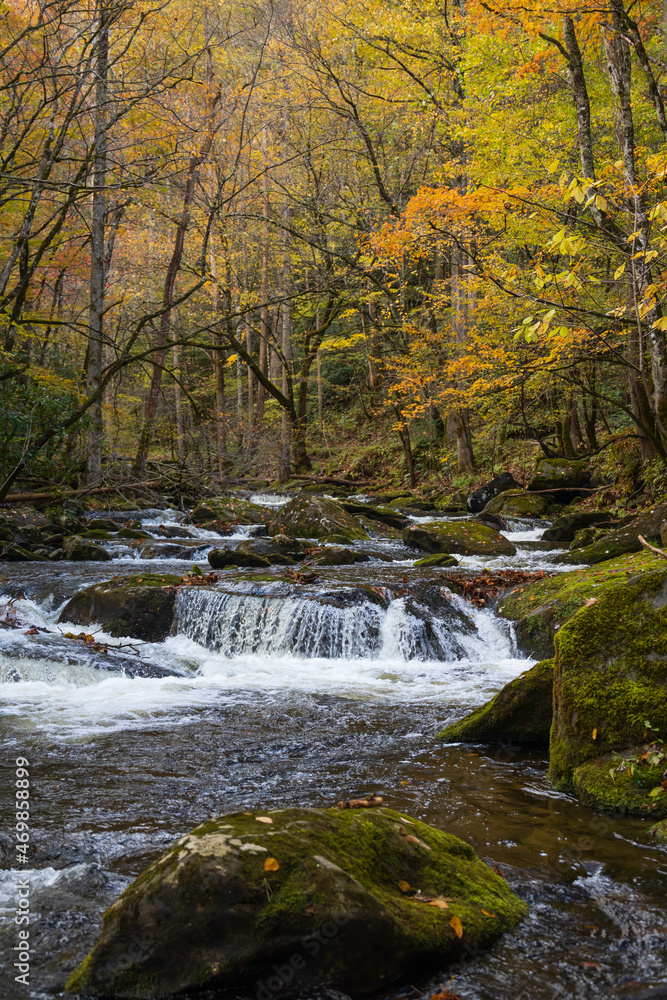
384	515
521	712
610	674
565	527
467	538
342	899
316	517
224	557
231	510
478	500
338	555
141	607
437	559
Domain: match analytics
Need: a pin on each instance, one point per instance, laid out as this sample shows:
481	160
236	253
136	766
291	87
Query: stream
272	694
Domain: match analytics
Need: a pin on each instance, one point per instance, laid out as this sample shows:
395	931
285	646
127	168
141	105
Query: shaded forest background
399	241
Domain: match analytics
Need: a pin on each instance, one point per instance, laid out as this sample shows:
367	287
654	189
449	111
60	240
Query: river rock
78	549
624	539
316	517
539	609
280	551
467	538
141	607
302	899
231	510
17	553
478	499
437	559
565	527
622	794
610	673
338	555
516	503
520	713
385	515
225	557
562	478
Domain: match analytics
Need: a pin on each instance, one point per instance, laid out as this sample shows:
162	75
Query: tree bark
98	250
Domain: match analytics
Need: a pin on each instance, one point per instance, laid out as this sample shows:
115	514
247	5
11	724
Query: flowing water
272	694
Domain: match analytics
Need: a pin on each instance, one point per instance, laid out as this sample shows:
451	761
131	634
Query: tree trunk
98	250
465	458
178	405
264	312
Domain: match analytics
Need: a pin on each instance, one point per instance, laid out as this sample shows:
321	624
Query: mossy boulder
222	558
610	674
133	533
480	497
383	515
539	609
437	559
79	549
565	527
339	555
17	553
517	503
621	540
464	537
659	831
558	474
316	517
521	712
623	794
231	510
141	607
300	900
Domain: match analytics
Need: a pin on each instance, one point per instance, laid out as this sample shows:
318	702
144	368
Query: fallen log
652	548
86	491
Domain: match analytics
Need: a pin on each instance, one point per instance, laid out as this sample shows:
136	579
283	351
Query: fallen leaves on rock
89	641
370	802
457	926
481	589
198	579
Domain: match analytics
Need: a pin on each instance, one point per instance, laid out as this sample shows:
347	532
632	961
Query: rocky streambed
151	698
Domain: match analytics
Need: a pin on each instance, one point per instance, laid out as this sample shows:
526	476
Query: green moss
610	673
517	503
437	559
521	712
621	794
659	831
316	517
465	537
540	609
96	533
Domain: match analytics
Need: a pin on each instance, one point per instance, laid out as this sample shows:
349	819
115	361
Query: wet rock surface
141	607
384	889
316	517
463	537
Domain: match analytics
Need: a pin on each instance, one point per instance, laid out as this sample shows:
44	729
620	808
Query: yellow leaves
619	271
404	886
457	926
595	734
271	865
441	904
660	324
487	914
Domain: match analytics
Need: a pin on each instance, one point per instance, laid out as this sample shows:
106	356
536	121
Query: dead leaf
595	734
590	965
497	871
271	865
263	819
401	830
404	886
487	914
590	600
440	903
457	926
413	840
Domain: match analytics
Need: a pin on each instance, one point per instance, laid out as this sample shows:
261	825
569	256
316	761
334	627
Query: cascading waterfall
327	626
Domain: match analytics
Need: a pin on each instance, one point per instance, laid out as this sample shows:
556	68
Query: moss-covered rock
565	527
132	533
339	555
17	553
141	607
539	609
517	503
621	540
79	549
306	899
558	474
437	559
316	517
480	497
659	831
231	510
610	674
520	712
383	515
621	794
224	557
467	538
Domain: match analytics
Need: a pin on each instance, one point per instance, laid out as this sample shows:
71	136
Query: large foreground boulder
316	517
480	497
298	899
520	713
614	543
466	538
610	675
140	607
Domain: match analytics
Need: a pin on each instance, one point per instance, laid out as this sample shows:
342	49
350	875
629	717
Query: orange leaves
457	926
271	865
